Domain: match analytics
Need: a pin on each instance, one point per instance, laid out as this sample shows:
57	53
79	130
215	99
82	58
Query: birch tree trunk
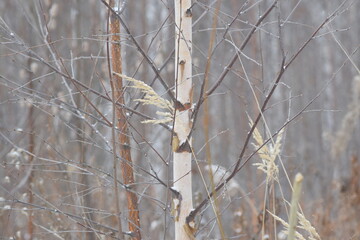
181	145
126	161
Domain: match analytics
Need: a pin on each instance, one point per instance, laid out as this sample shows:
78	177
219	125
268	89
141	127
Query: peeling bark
183	123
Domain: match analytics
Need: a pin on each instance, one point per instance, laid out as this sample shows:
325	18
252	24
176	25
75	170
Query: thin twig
283	68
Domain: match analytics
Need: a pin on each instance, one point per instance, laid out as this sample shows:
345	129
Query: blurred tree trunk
84	76
31	148
182	125
126	161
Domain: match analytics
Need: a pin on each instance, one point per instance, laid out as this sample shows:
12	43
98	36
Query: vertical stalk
294	205
181	145
126	161
31	129
206	121
31	148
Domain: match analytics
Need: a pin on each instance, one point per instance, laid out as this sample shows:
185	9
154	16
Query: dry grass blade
294	205
286	225
303	223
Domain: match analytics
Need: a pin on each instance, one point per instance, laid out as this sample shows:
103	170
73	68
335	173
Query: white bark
182	157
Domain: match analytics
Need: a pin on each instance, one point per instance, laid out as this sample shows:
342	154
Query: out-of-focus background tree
56	153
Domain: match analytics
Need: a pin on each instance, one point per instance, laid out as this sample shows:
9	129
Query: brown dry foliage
347	216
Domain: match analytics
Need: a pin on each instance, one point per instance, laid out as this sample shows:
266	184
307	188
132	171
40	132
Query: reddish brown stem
126	161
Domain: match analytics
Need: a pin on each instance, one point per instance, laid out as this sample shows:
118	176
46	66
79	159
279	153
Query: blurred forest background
56	152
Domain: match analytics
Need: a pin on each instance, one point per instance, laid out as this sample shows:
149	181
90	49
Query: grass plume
151	98
268	154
